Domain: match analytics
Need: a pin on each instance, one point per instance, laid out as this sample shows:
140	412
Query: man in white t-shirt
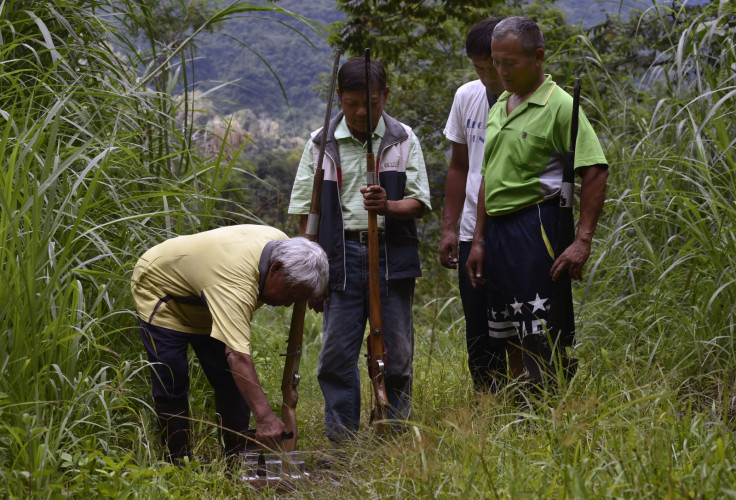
466	128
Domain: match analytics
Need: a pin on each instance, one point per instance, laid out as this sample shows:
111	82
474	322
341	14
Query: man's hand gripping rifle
291	377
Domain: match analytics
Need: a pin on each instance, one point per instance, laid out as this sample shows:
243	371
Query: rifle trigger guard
298	352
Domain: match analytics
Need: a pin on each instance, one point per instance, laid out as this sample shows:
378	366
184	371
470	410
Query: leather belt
362	237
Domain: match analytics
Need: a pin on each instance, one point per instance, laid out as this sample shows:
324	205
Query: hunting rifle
376	356
561	296
290	380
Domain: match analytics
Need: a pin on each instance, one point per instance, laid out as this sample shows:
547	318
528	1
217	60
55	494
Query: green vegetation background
104	153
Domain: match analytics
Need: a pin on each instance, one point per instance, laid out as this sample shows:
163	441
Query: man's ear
275	267
539	55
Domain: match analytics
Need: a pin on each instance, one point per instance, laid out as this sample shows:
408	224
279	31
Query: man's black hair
352	75
478	41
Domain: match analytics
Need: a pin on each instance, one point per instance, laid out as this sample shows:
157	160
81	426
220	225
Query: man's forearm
592	197
481	215
246	378
408	208
476	258
457	177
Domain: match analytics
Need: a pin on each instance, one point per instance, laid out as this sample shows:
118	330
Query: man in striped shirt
401	196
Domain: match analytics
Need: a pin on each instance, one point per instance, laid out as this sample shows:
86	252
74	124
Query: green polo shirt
525	152
353	176
205	283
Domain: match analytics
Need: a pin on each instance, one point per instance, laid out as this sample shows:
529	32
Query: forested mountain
242	50
255	58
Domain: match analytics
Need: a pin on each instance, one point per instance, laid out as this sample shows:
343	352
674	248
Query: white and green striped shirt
353	176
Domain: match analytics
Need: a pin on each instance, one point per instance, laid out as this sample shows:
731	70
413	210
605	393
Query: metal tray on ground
273	470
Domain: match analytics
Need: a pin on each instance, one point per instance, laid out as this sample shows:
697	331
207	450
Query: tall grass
669	254
83	192
78	203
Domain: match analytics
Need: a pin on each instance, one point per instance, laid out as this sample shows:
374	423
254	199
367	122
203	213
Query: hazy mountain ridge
253	91
252	85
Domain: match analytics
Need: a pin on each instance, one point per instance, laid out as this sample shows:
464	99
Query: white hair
304	263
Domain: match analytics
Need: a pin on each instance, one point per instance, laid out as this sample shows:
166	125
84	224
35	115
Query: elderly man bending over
202	290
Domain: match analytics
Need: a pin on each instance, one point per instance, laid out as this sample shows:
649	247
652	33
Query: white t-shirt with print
467	125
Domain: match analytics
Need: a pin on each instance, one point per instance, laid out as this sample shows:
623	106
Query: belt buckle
363	237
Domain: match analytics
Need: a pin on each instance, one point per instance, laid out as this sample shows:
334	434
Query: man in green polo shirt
527	136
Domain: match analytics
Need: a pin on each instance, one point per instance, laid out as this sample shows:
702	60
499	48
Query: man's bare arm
457	177
592	197
268	426
477	255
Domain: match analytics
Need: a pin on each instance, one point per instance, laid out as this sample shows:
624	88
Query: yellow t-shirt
205	283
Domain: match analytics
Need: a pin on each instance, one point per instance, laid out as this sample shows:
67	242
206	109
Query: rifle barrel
575	114
369	122
290	378
374	343
328	112
561	297
315	208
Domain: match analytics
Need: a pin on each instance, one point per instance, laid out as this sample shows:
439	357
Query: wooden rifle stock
376	350
561	299
291	378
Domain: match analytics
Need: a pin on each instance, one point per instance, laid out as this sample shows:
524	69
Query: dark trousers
344	321
486	354
518	259
167	352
